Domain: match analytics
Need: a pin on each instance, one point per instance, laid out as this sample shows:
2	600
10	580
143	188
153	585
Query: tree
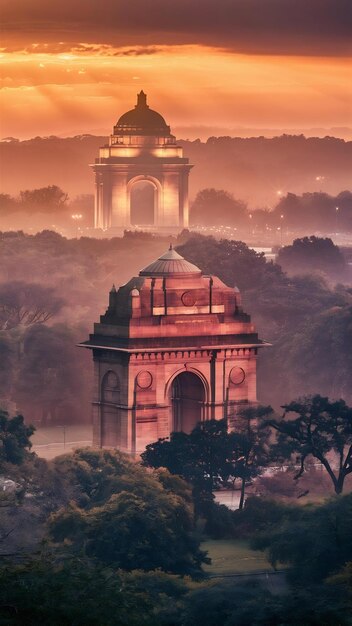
251	444
233	262
323	430
217	207
248	603
311	254
50	382
316	543
58	592
133	532
8	204
293	375
210	455
315	211
25	304
7	351
126	517
14	438
50	199
203	458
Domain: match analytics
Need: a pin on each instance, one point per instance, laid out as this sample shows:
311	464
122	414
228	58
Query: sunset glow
60	76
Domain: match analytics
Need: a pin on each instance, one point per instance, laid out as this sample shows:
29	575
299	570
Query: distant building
141	152
173	348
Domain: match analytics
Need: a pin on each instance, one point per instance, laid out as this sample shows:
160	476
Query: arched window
110	412
110	389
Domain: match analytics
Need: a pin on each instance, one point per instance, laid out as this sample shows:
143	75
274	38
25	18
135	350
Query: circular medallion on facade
111	380
144	379
188	298
237	375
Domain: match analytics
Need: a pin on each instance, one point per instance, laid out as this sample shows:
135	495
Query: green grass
233	557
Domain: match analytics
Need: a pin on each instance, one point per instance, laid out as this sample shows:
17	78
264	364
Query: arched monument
173	348
141	150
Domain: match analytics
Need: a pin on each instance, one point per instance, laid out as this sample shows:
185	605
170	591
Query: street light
77	217
64	434
281	218
250	227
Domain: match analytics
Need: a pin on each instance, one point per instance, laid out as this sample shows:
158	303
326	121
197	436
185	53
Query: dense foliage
14	438
311	254
316	543
81	593
125	517
111	516
217	207
244	604
210	455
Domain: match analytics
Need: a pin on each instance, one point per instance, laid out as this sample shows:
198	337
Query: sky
208	66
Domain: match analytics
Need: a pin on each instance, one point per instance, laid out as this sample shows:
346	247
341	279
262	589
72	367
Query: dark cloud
300	27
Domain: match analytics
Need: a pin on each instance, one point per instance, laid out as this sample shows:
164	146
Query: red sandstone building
173	348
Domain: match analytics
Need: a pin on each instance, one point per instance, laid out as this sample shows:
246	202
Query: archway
110	413
143	202
187	395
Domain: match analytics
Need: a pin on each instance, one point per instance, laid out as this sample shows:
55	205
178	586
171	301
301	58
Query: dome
141	120
170	263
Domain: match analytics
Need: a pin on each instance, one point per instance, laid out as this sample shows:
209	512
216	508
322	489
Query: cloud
293	27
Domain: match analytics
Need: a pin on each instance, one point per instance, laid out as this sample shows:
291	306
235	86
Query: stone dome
141	120
170	264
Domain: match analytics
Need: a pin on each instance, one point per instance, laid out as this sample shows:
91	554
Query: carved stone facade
141	149
173	348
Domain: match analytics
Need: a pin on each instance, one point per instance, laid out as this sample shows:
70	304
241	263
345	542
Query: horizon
76	67
204	133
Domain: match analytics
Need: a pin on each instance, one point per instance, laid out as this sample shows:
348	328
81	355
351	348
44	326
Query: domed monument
141	162
173	348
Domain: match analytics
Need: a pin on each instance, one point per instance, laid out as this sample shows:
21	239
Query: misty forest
93	537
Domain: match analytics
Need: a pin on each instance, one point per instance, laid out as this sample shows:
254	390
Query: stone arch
155	182
187	395
110	410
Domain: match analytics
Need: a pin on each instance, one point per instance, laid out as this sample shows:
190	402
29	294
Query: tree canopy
128	518
316	427
316	543
217	207
211	455
24	304
311	254
48	199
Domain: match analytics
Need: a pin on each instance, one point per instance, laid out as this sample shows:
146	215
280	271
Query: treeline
317	212
50	206
252	168
109	542
306	317
47	207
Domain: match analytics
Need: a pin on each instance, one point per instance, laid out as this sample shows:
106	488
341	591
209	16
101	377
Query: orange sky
52	83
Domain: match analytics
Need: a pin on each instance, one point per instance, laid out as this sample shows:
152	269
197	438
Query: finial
141	99
113	289
170	246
